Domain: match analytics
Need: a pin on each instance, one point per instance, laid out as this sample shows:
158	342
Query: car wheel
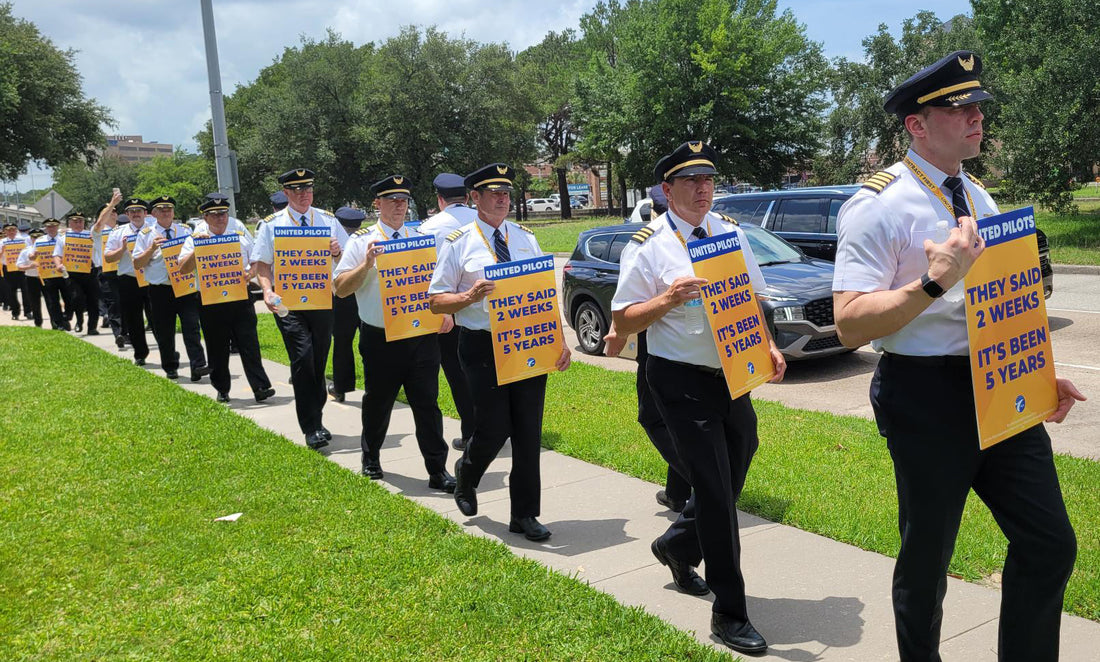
591	327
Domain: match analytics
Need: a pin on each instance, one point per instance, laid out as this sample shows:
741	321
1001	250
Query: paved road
1074	311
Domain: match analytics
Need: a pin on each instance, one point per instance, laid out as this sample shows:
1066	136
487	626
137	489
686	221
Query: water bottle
280	309
955	294
695	316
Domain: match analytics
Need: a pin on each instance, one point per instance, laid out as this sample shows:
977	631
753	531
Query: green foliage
860	137
184	176
735	73
1046	55
89	187
417	104
44	115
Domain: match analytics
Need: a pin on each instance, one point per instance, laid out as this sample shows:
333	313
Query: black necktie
699	233
501	247
958	196
305	223
168	234
396	234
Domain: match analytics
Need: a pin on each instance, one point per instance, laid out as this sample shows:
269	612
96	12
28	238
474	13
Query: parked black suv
798	301
806	217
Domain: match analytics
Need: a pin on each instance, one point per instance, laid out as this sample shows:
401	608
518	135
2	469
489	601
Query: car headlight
764	296
789	314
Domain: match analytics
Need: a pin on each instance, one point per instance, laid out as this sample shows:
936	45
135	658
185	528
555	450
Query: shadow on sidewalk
570	537
835	622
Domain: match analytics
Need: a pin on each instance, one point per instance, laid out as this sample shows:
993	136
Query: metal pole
217	109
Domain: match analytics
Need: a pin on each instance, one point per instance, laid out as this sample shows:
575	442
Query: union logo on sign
416	324
304	298
752	368
1020	404
531	363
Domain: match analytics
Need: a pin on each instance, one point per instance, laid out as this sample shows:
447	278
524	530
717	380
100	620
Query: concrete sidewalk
811	597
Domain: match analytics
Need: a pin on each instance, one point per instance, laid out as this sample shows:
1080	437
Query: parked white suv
543	204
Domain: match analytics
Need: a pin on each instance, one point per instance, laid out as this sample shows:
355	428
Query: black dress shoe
683	575
442	481
372	468
741	636
93	332
120	342
323	431
465	495
336	395
171	374
314	440
139	361
264	394
223	396
530	528
79	328
199	373
671	504
459	444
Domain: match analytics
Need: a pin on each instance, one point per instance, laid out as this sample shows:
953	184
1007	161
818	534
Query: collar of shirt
934	173
295	216
686	228
387	232
488	230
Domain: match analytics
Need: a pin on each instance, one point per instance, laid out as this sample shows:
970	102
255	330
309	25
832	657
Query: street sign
52	205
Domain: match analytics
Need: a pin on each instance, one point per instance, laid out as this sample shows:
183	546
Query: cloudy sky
144	59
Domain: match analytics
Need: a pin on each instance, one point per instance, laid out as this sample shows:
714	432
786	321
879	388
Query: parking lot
840	384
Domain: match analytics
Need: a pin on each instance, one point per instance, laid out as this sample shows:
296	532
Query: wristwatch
930	287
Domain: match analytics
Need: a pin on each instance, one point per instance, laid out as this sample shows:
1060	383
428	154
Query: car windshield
768	248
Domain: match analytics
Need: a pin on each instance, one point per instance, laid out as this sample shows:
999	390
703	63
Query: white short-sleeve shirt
155	271
263	250
454	217
188	247
118	240
27	262
368	297
880	246
462	262
647	269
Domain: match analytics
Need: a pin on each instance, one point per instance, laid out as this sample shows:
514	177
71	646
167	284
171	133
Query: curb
1088	269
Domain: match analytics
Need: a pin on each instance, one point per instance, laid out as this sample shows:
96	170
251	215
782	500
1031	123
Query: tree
860	137
44	115
88	188
1046	55
550	68
732	72
184	176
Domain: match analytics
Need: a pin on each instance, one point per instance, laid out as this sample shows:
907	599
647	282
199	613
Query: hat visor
975	96
298	186
700	169
496	187
399	196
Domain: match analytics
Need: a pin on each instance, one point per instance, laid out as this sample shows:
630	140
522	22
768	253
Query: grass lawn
110	552
1073	239
561	237
827	474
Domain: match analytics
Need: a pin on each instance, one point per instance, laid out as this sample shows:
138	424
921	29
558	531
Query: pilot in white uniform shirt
368	297
880	246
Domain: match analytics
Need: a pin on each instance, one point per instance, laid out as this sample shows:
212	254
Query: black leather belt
941	361
706	370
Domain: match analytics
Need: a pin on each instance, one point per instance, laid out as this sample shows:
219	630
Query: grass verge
110	552
827	474
561	237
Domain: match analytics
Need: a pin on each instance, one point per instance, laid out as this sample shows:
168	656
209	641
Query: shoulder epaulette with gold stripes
642	235
879	181
974	179
327	212
269	217
360	232
456	234
526	229
728	219
146	230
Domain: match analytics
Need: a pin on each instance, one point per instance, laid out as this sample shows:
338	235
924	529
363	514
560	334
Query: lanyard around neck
672	224
386	235
936	190
486	241
297	216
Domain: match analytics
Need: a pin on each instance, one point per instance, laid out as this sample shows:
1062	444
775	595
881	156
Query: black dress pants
307	335
513	410
412	363
345	313
54	291
17	290
937	462
677	488
715	437
456	380
222	322
166	308
32	299
132	300
108	302
85	296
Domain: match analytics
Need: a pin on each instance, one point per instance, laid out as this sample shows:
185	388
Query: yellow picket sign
734	318
221	269
303	267
139	274
43	257
77	254
1011	359
12	249
108	267
524	318
182	284
404	273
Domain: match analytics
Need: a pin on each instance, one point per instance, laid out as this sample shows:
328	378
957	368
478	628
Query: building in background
135	150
